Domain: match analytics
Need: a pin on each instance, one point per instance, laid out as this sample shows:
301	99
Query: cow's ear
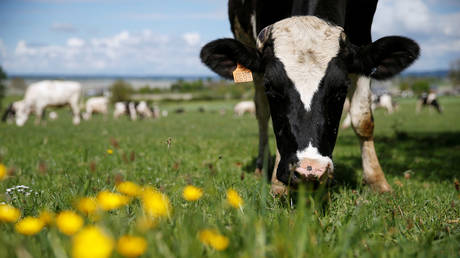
223	55
385	57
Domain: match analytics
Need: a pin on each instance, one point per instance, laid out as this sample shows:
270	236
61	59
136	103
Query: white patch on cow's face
312	153
305	45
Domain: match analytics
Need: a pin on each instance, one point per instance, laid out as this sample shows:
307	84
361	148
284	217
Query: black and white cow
133	109
306	58
427	100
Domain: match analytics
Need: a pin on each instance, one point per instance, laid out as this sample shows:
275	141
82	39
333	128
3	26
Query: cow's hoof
381	187
278	189
258	172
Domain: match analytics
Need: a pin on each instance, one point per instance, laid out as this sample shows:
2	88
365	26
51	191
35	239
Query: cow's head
22	112
305	62
9	113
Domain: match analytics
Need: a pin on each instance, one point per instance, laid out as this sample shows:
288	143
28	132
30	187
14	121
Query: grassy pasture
419	154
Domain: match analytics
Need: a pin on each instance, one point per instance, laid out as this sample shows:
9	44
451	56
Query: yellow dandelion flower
234	199
192	193
92	242
109	151
86	205
129	188
46	216
29	226
110	201
131	246
9	213
3	171
155	203
214	239
68	222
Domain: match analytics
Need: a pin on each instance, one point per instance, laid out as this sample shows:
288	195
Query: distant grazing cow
43	94
96	105
144	110
428	100
383	101
301	54
244	107
125	108
133	109
120	109
157	113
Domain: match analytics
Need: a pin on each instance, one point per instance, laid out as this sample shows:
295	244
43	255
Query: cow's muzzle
310	171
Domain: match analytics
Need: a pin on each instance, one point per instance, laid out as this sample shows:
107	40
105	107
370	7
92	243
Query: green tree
2	85
420	86
121	91
403	86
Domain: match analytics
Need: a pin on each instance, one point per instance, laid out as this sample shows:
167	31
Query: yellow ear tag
242	74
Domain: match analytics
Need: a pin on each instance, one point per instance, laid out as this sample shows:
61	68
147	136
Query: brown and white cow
306	58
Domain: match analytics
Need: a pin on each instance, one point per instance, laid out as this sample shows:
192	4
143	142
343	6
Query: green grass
217	152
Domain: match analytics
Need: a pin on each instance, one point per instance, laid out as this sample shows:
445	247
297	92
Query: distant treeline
200	90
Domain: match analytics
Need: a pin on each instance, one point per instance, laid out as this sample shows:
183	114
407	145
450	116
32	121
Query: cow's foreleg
363	125
39	114
263	115
277	187
75	111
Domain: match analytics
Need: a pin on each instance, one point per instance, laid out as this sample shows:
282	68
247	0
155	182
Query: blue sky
141	37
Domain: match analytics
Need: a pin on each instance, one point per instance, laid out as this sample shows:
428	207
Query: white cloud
75	42
413	17
192	38
126	52
436	32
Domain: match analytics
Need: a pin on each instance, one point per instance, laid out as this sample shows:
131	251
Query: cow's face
22	113
305	62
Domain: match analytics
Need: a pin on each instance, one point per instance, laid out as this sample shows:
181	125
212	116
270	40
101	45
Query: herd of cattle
46	94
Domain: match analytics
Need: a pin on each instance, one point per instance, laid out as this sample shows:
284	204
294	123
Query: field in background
419	154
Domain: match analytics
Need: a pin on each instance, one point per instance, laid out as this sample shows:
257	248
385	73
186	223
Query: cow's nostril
309	168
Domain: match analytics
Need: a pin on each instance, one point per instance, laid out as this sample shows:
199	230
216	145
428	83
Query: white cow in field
384	101
96	105
245	107
144	110
119	109
43	94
